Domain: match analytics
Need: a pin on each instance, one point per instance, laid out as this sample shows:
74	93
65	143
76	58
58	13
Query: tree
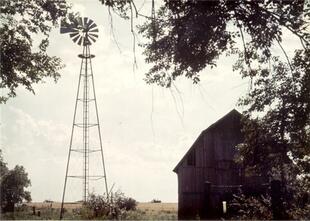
23	22
12	186
282	96
277	129
186	36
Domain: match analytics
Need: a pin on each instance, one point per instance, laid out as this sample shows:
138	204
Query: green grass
45	214
25	213
150	215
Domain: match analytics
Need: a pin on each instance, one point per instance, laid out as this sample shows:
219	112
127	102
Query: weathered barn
208	162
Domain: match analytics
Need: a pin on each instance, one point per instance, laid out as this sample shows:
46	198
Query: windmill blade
75	39
93	35
92	38
94	30
85	20
90	22
93	25
81	40
72	35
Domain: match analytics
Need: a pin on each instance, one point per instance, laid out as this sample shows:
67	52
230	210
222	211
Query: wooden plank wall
214	153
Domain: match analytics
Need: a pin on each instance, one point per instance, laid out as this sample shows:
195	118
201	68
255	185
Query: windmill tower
84	32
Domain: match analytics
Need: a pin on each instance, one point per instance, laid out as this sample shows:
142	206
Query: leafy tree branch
21	64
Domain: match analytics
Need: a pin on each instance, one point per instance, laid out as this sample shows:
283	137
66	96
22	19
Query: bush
113	207
48	201
291	202
122	202
22	207
155	201
96	206
258	208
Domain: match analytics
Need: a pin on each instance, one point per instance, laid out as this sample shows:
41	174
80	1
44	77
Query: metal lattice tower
83	31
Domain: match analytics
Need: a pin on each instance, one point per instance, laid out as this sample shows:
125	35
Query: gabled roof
232	112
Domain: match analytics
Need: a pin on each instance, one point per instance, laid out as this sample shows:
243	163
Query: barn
209	163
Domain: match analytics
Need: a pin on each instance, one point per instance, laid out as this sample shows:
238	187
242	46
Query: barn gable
229	121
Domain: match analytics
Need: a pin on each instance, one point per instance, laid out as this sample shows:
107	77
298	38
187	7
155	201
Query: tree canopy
185	37
282	134
22	64
13	184
276	127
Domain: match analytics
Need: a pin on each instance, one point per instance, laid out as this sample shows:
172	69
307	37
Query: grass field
143	206
144	211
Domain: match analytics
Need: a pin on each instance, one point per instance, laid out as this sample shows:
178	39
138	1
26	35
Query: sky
146	129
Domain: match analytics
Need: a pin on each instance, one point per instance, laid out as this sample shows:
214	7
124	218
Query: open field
144	211
172	207
54	205
165	207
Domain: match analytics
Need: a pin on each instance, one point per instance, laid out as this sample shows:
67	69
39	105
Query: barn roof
232	112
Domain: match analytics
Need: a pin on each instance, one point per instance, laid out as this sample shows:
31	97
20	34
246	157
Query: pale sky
35	129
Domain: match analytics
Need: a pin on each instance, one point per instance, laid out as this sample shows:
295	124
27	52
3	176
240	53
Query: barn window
191	158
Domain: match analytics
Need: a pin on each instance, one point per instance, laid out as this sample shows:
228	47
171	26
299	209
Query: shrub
122	202
258	208
155	201
295	206
22	207
96	206
113	207
48	201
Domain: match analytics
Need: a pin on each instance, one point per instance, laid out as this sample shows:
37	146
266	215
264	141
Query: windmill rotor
82	31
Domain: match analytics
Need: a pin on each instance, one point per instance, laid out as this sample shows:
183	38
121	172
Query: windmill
84	32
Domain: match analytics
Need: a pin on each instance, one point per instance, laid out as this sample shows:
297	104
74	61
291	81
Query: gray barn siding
214	153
